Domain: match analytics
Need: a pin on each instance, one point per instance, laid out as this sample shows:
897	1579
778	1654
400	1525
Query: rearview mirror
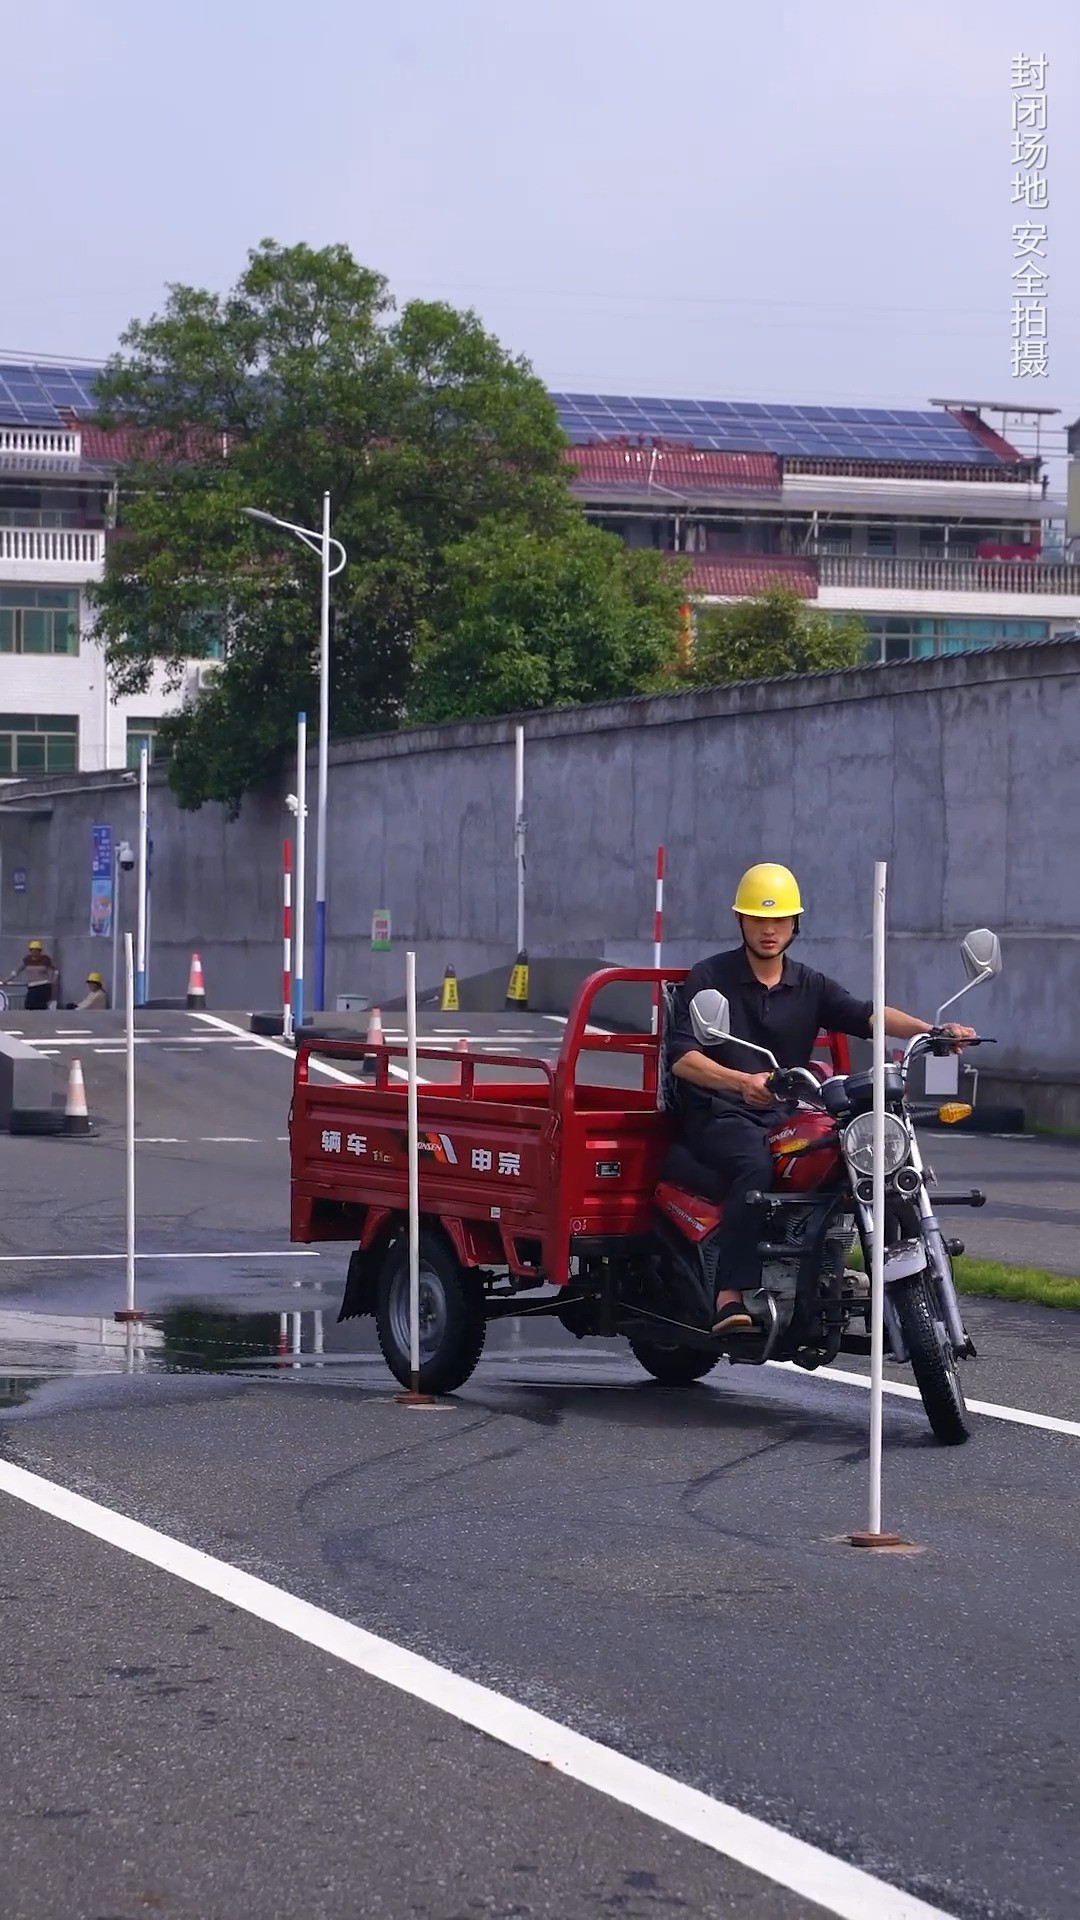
980	952
710	1017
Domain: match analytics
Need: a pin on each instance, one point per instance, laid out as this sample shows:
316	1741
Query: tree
443	458
525	620
774	633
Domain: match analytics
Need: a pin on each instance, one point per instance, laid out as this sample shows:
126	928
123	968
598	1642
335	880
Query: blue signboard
102	858
18	880
101	883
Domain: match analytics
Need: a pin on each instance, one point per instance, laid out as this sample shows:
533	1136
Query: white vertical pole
129	1004
115	923
140	956
324	748
877	1276
301	871
414	1175
286	942
519	833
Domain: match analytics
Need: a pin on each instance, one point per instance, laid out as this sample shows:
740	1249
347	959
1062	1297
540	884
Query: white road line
227	1140
838	1888
277	1046
74	1033
62	1259
562	1020
1019	1416
143	1040
159	1140
109	1049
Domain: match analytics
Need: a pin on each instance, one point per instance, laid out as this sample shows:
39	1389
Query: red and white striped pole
286	930
658	932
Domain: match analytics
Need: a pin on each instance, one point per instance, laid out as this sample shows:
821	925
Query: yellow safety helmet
768	892
34	947
94	980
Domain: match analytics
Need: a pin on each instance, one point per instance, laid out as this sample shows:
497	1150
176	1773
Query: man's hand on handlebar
755	1090
958	1035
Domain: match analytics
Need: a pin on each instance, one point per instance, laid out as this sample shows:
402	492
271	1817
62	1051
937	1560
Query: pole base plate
412	1397
129	1313
883	1542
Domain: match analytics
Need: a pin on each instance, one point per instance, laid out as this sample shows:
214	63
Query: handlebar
785	1082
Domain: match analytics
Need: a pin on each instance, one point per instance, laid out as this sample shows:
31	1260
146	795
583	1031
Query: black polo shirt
786	1018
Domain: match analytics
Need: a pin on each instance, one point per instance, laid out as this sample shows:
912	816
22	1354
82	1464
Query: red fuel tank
797	1164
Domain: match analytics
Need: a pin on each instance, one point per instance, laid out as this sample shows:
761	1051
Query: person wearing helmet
38	969
95	1000
725	1108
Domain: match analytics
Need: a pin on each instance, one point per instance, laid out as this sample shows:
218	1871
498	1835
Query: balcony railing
950	576
52	441
75	547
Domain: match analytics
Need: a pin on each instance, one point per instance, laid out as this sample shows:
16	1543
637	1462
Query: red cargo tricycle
564	1190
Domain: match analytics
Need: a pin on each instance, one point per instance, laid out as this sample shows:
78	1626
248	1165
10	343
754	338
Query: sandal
733	1319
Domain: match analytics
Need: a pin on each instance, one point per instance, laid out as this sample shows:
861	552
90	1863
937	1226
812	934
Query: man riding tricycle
719	1225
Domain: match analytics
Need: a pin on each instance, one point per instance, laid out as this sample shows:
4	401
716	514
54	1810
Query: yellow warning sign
448	998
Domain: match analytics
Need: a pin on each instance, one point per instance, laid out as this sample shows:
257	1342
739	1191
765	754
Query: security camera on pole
321	544
123	862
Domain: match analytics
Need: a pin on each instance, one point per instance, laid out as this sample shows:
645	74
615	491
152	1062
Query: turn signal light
952	1111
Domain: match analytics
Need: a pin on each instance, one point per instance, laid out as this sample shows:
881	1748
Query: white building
56	493
930	525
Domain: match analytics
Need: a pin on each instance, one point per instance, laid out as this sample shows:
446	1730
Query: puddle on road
39	1348
36	1347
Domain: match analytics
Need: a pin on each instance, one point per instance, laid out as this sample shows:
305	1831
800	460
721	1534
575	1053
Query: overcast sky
803	200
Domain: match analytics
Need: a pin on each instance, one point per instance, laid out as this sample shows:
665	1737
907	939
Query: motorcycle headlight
857	1141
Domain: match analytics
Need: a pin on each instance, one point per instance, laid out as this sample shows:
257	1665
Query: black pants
37	999
735	1146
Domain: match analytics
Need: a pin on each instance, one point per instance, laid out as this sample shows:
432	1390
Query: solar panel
33	395
855	433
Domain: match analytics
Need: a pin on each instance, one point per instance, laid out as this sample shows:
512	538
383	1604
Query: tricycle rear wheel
672	1366
452	1317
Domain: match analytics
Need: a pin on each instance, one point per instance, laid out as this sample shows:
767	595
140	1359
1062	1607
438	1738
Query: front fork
937	1260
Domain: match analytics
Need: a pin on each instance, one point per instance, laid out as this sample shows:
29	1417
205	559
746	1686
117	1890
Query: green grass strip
996	1282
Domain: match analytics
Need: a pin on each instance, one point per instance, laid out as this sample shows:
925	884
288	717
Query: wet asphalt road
659	1570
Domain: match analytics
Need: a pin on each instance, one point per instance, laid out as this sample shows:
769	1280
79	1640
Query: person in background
95	1000
39	971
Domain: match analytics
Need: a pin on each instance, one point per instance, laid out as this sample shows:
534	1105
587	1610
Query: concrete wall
963	773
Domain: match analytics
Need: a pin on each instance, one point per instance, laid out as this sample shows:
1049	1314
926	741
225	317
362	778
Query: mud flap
359	1296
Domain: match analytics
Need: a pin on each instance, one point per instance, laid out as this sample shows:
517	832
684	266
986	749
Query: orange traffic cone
76	1118
196	990
374	1029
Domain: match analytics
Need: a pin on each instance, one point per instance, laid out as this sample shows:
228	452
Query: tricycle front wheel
452	1318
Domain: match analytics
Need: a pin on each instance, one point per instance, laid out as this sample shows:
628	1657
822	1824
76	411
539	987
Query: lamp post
321	544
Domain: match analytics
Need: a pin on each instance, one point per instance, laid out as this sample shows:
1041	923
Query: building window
38	743
912	637
137	732
39	620
880	536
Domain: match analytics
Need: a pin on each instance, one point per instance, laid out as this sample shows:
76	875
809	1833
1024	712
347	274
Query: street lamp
321	544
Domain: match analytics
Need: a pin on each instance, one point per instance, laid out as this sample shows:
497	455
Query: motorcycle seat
681	1169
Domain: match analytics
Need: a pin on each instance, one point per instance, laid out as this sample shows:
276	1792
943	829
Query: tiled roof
676	468
121	444
744	575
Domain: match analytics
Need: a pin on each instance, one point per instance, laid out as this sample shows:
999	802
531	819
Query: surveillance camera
293	803
125	854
